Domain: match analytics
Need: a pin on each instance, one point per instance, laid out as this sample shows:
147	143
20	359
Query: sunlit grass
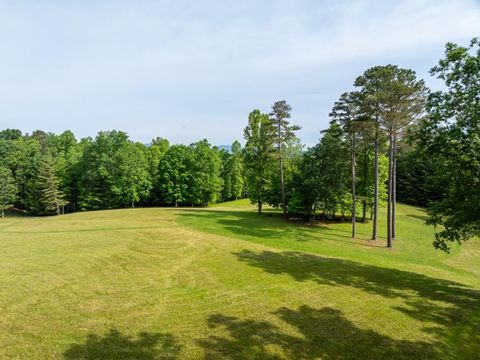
224	282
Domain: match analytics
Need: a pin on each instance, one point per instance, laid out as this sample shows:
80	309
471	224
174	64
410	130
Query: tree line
389	138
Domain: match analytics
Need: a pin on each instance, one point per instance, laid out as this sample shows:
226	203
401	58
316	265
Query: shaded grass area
224	283
114	345
412	247
315	340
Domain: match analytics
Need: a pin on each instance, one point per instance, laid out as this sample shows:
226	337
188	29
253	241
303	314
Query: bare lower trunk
375	191
282	188
260	205
354	197
389	200
394	190
364	202
3	213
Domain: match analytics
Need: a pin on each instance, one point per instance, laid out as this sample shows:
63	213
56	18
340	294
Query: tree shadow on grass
439	303
114	345
251	225
418	217
318	333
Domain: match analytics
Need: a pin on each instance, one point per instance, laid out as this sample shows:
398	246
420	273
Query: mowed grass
225	283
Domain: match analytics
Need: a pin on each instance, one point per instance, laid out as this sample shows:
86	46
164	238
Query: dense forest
389	138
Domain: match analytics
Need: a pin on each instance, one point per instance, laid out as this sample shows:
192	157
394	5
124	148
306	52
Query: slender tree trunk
176	203
365	187
354	196
375	188
3	213
133	203
282	182
394	190
389	200
259	205
282	187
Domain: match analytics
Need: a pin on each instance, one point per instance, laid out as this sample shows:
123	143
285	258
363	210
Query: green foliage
10	134
305	191
233	173
418	181
154	155
114	172
47	187
175	175
8	189
190	175
451	137
206	174
283	135
322	181
259	159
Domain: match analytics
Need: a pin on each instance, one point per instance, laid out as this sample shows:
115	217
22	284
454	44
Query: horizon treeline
389	138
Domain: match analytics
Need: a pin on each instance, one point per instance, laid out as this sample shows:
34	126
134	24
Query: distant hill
225	147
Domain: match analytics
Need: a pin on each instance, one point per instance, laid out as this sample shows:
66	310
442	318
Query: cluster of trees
389	123
366	123
45	174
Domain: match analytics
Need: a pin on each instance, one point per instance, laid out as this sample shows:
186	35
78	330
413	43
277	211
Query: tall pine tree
284	133
48	187
8	189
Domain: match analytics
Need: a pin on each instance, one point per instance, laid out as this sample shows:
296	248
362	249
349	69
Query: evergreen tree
369	91
48	187
346	113
392	98
402	102
8	189
333	169
284	133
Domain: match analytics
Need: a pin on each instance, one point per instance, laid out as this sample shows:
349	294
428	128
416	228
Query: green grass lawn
225	283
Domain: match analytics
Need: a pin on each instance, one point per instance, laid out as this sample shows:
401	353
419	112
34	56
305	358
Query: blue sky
188	70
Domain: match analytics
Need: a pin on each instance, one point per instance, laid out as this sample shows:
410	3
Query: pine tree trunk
354	197
365	187
375	190
389	200
394	189
282	186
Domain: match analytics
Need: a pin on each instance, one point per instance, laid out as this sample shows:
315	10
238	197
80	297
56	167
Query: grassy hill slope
226	283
